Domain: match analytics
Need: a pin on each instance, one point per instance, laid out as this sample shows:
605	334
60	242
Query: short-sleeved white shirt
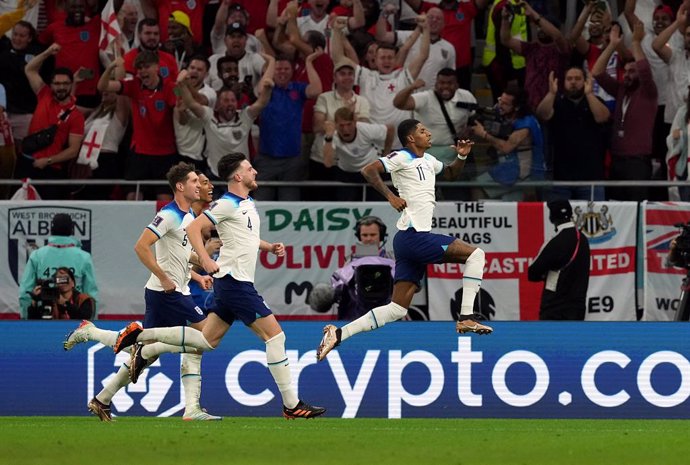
328	103
366	147
224	137
415	179
251	64
441	55
172	247
238	225
189	137
380	90
679	66
306	24
428	111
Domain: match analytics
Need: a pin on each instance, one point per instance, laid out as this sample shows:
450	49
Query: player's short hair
229	163
178	173
406	128
344	114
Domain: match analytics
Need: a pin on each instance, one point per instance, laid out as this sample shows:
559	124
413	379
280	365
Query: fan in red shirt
149	34
78	37
153	150
56	107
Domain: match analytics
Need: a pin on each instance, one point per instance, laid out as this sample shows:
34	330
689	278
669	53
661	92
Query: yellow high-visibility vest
517	29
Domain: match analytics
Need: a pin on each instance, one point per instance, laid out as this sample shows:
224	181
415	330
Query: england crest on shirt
165	72
84	36
159	105
191	4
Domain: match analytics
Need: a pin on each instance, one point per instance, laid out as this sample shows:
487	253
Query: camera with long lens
490	118
679	255
48	294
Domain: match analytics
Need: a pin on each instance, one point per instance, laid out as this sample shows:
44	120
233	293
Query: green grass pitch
332	441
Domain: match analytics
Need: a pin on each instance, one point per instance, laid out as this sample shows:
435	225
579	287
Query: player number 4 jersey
238	225
415	180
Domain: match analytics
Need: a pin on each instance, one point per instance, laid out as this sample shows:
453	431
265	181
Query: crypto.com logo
149	393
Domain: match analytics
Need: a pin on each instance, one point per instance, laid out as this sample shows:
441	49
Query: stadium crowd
314	90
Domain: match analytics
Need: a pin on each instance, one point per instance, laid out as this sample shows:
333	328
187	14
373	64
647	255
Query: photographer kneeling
57	298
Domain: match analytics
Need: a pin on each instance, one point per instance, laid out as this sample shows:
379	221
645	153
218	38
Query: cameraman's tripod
683	312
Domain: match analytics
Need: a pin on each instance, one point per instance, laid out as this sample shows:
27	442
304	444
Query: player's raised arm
452	171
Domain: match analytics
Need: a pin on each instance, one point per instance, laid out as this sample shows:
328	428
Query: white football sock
104	336
190	372
472	280
177	336
114	384
279	367
150	351
373	319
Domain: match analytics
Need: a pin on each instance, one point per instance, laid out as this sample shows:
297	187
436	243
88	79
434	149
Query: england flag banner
512	234
662	281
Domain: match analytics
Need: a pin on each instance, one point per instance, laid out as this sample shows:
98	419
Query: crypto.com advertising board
403	370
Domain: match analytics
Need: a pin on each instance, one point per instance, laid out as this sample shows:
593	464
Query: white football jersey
238	225
172	247
415	180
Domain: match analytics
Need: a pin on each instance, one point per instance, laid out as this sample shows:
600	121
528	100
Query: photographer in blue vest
57	298
62	250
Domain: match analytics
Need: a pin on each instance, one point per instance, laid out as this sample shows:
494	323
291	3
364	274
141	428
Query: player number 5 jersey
238	225
172	248
415	180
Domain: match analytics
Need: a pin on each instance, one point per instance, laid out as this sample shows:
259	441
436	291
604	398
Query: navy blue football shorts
166	309
238	300
415	250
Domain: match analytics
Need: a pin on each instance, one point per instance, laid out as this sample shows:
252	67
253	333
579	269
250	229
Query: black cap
237	7
235	27
560	209
61	225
